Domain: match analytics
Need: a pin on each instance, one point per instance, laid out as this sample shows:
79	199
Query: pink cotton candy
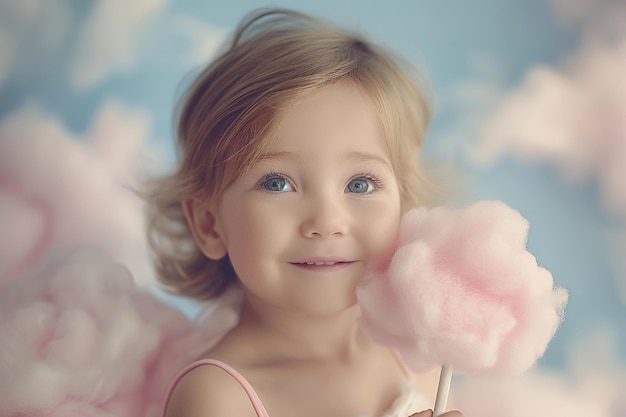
462	289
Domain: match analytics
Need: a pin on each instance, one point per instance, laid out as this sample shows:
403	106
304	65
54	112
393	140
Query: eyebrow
268	156
368	157
358	156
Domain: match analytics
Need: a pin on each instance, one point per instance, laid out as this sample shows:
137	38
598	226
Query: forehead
340	116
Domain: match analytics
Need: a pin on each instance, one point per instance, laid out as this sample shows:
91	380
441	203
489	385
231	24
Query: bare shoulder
208	391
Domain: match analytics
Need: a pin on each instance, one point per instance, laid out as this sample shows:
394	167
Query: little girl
299	153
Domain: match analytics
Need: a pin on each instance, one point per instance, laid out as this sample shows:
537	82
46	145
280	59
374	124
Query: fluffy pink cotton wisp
461	289
79	338
61	192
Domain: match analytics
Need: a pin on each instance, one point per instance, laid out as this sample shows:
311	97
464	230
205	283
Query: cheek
238	232
250	228
382	231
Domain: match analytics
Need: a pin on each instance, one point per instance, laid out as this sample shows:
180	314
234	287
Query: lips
322	263
318	263
321	260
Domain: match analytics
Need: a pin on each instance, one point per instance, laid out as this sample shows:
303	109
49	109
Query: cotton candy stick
443	390
462	290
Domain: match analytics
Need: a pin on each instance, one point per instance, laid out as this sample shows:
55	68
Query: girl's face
320	207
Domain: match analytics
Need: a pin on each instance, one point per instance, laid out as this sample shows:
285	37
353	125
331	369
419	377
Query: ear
202	222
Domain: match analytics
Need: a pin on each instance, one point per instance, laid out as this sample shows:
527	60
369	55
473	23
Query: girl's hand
429	413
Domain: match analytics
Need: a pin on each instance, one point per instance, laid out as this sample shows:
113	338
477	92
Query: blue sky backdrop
530	108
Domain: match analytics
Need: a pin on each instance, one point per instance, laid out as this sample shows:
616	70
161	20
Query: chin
326	307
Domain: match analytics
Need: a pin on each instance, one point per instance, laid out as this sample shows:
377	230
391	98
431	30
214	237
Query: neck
296	336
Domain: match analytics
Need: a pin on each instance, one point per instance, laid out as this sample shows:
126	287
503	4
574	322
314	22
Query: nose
324	217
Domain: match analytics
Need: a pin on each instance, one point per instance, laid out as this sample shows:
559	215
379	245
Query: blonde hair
231	112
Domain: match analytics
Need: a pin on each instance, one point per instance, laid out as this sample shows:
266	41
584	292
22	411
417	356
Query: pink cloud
60	192
593	385
539	394
80	339
574	119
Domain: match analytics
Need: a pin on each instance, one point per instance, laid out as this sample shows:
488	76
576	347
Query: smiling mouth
322	265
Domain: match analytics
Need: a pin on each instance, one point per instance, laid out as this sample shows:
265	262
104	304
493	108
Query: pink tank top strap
254	398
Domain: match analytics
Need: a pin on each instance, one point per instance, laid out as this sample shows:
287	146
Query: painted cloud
60	192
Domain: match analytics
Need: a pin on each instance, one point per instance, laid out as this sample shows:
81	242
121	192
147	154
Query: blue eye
360	186
276	184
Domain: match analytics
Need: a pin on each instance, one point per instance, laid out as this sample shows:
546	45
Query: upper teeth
320	263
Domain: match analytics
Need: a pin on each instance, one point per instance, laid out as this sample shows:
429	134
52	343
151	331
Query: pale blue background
446	38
